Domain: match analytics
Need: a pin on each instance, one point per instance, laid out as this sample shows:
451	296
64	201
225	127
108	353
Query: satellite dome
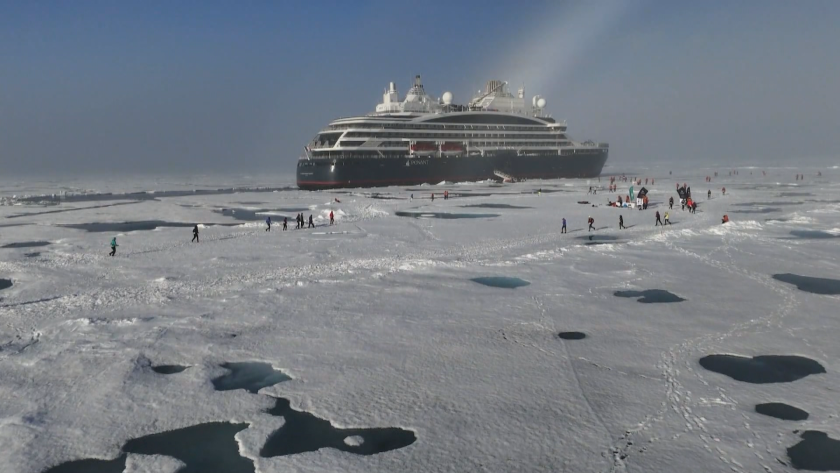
447	98
534	100
541	103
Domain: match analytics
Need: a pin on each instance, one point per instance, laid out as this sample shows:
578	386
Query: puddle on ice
5	284
259	215
501	281
598	238
795	194
781	411
495	206
762	369
443	215
651	296
823	286
250	376
813	234
303	432
766	204
27	244
572	335
169	369
203	448
816	451
32	255
123	227
765	210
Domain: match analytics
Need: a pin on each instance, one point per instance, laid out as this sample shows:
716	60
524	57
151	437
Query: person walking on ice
114	246
332	218
620	222
311	225
670	203
667	219
563	230
195	234
268	224
658	220
285	223
591	224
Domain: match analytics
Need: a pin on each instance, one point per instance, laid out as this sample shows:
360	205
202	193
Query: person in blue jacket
113	246
563	230
268	223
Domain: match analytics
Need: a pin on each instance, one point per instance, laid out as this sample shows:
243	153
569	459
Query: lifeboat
452	148
423	148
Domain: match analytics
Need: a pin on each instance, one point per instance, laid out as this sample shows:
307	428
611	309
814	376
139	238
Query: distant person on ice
285	223
658	220
332	218
709	194
667	219
195	234
563	230
670	203
268	224
113	246
433	197
311	225
620	222
591	224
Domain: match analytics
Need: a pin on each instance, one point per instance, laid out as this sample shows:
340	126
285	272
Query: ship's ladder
505	177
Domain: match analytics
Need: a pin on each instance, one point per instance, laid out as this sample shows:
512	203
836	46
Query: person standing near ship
195	234
268	224
285	223
591	224
311	225
563	230
620	222
658	220
332	218
113	246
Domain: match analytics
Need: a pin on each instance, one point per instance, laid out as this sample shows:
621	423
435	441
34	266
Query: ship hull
318	174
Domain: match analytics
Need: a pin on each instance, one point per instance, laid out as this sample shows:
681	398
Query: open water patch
443	215
766	210
762	369
599	238
501	281
651	296
496	206
572	335
813	234
816	452
169	369
822	286
781	410
125	227
303	432
250	376
795	194
5	284
203	448
27	244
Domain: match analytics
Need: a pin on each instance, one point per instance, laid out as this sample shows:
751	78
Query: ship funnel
392	87
417	82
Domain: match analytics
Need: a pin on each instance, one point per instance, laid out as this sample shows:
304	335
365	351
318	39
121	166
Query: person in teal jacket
113	246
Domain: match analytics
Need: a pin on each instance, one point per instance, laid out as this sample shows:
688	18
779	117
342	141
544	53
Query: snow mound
354	440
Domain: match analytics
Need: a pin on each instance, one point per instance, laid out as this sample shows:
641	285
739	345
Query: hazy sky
204	86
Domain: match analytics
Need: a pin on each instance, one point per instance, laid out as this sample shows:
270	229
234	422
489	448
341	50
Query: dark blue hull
317	174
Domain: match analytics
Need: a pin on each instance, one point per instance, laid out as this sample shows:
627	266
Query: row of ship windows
338	155
495	144
443	127
362	134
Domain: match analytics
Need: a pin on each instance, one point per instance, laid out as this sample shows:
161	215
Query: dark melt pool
32	255
203	448
823	286
495	206
123	227
816	451
651	296
601	238
303	432
250	376
766	204
781	410
572	335
5	284
169	369
766	210
500	281
762	369
443	215
248	215
27	244
813	234
795	194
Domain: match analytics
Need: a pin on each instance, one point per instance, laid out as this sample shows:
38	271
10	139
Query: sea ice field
459	335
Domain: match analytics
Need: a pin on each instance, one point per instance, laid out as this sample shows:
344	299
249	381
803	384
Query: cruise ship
419	139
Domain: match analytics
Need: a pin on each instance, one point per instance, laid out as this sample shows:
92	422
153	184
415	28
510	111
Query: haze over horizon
196	87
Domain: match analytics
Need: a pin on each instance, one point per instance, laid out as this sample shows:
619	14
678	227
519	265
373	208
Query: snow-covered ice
375	334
